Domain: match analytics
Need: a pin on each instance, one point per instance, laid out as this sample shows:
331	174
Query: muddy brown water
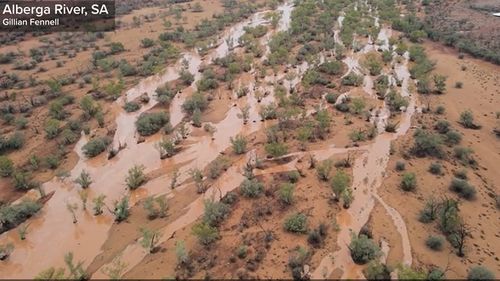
368	173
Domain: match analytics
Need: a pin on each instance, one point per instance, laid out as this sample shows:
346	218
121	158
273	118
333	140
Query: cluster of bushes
14	142
165	94
13	215
197	101
150	123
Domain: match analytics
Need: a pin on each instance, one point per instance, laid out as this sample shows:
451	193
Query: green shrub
89	106
352	79
135	177
430	211
131	106
363	249
435	168
165	94
239	144
296	223
205	233
435	242
293	176
440	109
13	215
324	169
467	120
21	123
400	166
285	193
52	128
427	144
84	179
409	182
463	188
147	42
96	146
340	182
464	154
442	126
314	238
251	188
121	210
126	69
331	67
150	123
116	47
331	98
377	271
435	274
276	149
452	138
53	161
6	166
407	273
22	181
215	212
478	273
196	101
216	167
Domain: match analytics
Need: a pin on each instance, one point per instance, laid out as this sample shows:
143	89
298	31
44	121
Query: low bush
96	146
296	223
463	188
427	144
324	169
435	168
215	212
239	144
219	165
15	214
331	98
377	271
478	273
205	233
409	182
285	193
464	154
251	188
131	106
442	126
6	166
135	177
467	120
196	101
52	128
150	123
435	242
400	166
452	138
276	149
